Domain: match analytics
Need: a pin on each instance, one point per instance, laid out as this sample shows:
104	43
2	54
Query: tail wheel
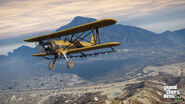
52	66
70	64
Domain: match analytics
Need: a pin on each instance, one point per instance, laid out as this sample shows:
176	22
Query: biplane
65	43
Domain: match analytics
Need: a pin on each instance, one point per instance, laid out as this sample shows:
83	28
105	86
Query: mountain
129	36
76	21
132	37
177	37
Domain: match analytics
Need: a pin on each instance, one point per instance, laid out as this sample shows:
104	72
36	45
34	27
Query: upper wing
94	47
74	30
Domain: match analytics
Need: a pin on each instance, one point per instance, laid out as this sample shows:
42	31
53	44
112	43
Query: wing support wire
79	38
72	40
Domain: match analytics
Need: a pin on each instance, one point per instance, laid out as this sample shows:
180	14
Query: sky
20	17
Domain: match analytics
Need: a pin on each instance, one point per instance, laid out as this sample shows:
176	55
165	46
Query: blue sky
20	17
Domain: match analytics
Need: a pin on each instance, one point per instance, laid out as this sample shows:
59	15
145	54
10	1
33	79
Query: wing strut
97	35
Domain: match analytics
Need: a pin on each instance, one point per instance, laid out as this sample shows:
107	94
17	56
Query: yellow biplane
52	44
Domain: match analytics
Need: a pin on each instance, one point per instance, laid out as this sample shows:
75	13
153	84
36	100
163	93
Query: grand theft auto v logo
171	92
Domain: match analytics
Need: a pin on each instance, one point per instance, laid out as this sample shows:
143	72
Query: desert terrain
146	87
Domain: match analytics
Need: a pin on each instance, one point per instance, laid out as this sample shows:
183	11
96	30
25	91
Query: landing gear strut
70	63
52	65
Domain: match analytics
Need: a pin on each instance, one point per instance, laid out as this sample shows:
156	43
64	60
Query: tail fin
93	39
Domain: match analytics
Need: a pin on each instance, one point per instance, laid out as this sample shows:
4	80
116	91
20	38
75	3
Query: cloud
25	16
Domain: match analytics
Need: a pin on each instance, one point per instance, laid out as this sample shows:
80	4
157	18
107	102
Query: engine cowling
50	47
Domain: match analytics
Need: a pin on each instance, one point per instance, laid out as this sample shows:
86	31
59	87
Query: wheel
52	66
70	64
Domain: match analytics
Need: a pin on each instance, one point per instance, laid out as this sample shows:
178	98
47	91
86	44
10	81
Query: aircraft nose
46	46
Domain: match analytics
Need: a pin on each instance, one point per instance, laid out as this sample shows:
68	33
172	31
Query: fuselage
52	45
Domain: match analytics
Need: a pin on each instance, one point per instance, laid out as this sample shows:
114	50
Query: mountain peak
166	32
22	50
78	20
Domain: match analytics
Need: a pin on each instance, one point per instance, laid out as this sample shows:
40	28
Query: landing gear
70	64
52	65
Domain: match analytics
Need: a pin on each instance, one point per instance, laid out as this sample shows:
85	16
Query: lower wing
94	47
41	54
